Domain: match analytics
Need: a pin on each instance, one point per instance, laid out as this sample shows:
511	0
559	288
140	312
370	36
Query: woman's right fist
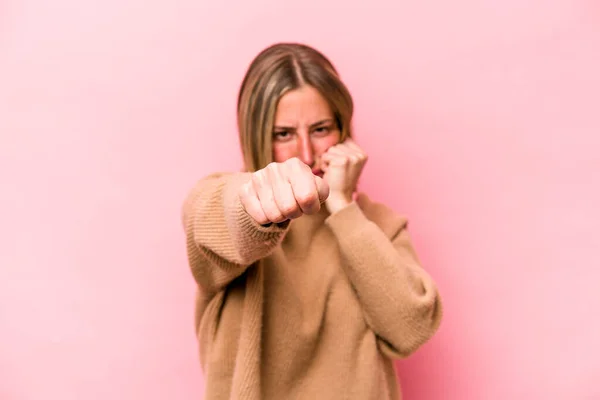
283	191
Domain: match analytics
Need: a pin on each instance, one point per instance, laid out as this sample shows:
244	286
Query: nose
305	151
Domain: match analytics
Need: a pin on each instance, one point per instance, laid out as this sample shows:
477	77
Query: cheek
282	152
322	145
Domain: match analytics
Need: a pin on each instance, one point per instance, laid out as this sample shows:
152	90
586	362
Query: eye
322	130
282	136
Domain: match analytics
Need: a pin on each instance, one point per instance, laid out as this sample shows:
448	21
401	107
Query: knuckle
277	218
289	209
297	163
307	198
261	219
246	196
244	191
261	179
296	214
273	214
257	176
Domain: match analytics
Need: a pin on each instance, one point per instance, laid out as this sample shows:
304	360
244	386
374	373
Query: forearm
399	299
222	239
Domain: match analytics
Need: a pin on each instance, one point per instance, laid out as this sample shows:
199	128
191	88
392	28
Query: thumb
322	188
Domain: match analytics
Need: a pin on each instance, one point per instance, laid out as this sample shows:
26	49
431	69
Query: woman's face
304	127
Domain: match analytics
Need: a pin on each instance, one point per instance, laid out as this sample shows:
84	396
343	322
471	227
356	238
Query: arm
222	239
399	299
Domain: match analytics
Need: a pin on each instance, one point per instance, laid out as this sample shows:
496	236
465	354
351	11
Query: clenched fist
343	165
283	191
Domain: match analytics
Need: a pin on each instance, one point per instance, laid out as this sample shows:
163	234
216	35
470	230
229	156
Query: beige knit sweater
316	309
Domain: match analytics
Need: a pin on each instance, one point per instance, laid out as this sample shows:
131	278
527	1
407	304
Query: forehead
302	105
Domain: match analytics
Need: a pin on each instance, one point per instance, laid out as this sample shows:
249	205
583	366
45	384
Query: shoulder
382	215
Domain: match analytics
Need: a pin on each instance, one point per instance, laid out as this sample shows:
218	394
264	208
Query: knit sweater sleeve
222	239
400	300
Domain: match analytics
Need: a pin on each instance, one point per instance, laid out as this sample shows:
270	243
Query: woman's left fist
342	165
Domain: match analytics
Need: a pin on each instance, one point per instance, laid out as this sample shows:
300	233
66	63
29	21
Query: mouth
317	172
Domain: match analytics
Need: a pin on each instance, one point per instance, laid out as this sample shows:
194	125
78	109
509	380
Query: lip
317	172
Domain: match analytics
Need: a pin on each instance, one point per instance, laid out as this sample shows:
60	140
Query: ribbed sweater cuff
251	237
347	221
253	229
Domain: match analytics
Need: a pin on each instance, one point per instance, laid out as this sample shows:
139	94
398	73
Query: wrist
337	202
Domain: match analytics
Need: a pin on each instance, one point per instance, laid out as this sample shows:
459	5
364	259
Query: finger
339	161
353	146
264	190
251	204
355	166
337	149
324	163
350	142
349	150
334	157
322	188
327	157
305	189
284	196
334	160
345	150
357	149
351	161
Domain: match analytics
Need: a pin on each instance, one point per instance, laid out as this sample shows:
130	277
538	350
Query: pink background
482	123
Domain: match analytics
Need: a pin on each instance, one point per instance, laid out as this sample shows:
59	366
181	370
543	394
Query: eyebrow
321	122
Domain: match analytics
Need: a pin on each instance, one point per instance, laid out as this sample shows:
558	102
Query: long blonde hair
276	70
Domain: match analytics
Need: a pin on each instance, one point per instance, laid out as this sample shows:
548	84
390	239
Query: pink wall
481	119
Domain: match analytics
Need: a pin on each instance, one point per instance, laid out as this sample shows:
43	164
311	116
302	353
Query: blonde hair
275	71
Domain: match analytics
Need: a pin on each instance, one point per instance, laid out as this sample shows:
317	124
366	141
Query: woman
307	290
